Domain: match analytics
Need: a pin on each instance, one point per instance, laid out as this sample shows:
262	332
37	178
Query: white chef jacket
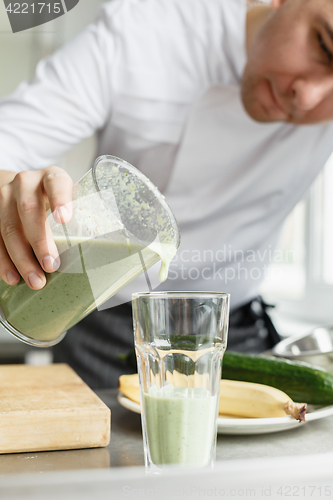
159	80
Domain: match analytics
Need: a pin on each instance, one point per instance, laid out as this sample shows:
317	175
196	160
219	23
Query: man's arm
67	101
26	244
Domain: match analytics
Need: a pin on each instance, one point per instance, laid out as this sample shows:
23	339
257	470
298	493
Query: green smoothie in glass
180	424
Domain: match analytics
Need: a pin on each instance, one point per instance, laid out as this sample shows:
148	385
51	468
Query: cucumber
304	383
301	381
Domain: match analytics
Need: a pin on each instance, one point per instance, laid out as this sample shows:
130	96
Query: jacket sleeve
67	101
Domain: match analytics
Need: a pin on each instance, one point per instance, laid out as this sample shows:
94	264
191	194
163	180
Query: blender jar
121	226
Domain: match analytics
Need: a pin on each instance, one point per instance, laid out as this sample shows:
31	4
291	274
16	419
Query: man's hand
26	244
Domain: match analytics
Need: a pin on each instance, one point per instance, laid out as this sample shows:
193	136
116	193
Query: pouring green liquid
121	226
91	271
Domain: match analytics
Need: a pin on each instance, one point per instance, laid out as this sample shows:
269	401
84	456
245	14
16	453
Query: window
301	283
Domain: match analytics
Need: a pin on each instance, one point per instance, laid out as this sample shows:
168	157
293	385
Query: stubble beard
250	102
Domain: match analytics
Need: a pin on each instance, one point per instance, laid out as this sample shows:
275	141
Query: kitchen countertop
126	446
293	463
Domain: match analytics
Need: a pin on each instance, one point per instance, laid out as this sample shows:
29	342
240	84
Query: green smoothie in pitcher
91	271
120	226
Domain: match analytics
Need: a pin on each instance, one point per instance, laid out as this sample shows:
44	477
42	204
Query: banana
246	399
237	399
129	386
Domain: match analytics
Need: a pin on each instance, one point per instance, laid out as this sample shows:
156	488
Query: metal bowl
315	347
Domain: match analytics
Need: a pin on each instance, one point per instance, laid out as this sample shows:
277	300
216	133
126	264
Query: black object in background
24	15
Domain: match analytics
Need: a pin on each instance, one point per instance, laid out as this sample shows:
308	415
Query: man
227	110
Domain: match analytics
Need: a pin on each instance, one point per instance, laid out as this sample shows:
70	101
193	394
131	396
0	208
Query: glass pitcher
121	226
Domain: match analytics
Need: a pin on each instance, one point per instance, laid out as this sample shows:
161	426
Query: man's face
289	72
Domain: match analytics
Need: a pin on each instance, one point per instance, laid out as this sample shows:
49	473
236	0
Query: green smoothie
180	424
91	271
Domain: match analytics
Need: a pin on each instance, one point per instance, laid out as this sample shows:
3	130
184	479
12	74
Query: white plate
227	425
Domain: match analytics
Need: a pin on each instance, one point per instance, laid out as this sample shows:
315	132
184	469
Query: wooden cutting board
49	408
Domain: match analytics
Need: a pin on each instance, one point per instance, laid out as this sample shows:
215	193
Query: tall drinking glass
180	338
